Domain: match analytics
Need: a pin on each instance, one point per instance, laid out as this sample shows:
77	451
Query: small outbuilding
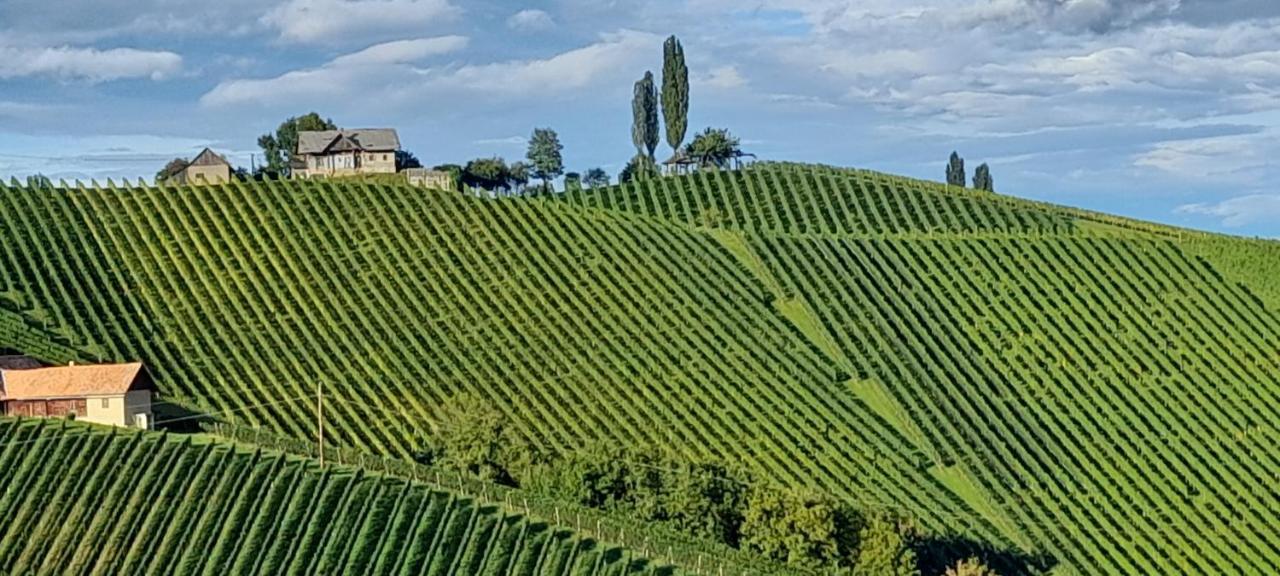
422	177
208	167
111	394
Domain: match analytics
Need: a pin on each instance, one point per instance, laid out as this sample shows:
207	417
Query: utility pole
320	418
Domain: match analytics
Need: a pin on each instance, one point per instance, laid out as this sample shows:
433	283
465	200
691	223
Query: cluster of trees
712	148
956	174
703	499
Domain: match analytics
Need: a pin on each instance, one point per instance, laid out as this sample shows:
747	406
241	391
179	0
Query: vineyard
1095	390
578	325
85	501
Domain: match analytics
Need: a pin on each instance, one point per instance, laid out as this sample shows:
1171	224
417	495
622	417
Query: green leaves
675	92
982	179
545	155
644	112
955	170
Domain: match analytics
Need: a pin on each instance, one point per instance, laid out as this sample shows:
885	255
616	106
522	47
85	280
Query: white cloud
90	64
617	53
1210	158
724	78
401	51
390	69
368	69
344	21
530	20
1241	211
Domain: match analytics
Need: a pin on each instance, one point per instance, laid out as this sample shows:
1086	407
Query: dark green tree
596	178
545	156
675	93
405	160
705	500
572	181
639	168
955	171
884	548
518	175
279	148
489	174
713	148
474	437
797	528
982	179
173	168
644	111
454	170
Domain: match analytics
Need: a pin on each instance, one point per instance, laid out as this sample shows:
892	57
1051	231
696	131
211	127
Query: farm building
208	167
346	152
437	179
112	394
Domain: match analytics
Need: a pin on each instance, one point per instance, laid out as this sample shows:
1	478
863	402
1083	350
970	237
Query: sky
1166	110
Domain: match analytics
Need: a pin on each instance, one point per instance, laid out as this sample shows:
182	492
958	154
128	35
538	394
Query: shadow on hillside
935	555
176	418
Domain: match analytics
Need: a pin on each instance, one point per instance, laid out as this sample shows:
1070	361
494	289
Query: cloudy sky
1161	109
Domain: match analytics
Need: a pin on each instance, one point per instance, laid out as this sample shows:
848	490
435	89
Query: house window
106	402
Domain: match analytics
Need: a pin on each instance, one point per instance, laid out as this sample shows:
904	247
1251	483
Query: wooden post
320	419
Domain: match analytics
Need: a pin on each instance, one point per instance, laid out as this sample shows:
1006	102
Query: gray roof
368	139
208	157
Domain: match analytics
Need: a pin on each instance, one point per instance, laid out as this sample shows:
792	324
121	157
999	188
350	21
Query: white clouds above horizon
1239	211
390	69
364	71
88	64
345	21
531	20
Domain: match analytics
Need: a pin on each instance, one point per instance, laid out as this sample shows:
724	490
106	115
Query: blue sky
1167	110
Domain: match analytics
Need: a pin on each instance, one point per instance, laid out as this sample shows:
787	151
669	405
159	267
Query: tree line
956	174
707	500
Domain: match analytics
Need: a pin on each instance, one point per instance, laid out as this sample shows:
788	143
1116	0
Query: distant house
346	152
438	179
207	167
112	394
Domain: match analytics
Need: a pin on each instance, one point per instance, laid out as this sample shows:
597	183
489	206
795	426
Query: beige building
207	167
437	179
346	152
111	394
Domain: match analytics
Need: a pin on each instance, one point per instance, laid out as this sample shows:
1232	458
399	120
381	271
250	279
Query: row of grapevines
1113	396
579	325
808	200
86	501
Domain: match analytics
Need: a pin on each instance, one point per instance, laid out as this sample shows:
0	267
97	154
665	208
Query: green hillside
87	500
1088	389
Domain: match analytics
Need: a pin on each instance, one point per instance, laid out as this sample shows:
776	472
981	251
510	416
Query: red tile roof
69	381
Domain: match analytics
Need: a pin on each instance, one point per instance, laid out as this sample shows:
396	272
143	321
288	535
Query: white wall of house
347	163
120	410
109	410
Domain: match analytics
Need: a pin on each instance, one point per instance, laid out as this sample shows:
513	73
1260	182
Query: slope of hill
1090	388
579	325
86	500
1110	384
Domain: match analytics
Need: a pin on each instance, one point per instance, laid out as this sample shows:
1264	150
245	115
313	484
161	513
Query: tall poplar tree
644	111
982	179
955	171
675	92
